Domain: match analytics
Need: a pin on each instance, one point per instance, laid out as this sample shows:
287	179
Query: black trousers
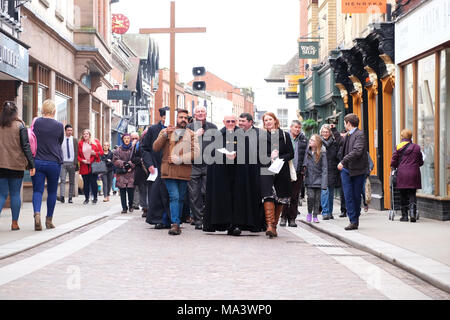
197	191
123	197
290	212
90	185
407	196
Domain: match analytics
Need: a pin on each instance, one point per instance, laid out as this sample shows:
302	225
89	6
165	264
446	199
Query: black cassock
233	196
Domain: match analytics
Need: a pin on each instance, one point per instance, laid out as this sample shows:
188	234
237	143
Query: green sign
308	50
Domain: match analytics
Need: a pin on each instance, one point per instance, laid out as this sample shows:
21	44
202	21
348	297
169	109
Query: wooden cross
172	30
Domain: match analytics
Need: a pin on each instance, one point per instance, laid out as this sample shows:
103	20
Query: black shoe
331	217
352	226
70	200
198	227
124	210
326	217
94	201
413	212
136	207
230	232
86	202
161	226
175	230
283	222
60	199
131	209
292	224
236	231
144	213
343	215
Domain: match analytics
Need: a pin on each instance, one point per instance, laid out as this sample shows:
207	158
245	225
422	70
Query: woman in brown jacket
15	158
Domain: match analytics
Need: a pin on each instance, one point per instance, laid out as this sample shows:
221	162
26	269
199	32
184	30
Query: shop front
423	91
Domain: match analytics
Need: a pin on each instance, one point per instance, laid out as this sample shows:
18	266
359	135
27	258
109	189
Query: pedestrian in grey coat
316	175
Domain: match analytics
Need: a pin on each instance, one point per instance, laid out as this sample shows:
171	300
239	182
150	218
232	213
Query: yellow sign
291	82
364	6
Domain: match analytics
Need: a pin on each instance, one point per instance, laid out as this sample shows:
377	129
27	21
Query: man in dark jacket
197	184
354	167
300	143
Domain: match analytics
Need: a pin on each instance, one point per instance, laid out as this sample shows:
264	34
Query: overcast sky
243	38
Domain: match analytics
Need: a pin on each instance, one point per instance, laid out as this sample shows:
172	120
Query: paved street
122	257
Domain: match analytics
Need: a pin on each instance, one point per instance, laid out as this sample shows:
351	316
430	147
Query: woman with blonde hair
89	151
48	160
276	189
331	140
408	159
316	175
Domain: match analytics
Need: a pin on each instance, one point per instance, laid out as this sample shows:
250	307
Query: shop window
94	124
27	111
42	96
409	94
282	115
62	109
444	124
425	120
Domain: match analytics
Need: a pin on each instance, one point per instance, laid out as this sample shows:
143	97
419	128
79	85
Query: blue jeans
326	201
50	170
11	186
177	191
352	192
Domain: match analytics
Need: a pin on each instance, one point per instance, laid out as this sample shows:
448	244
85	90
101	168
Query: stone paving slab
427	269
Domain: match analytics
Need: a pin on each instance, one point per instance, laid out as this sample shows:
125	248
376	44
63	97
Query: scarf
127	147
402	144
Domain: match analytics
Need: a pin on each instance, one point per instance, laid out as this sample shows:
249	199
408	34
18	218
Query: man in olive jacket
354	167
180	148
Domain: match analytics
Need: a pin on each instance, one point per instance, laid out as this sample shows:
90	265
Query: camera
127	166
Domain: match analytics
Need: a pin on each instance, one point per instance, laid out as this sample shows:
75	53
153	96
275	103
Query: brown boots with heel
272	212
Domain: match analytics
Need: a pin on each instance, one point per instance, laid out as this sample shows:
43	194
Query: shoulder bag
291	164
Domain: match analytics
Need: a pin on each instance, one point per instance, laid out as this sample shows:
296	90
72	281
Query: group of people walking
238	178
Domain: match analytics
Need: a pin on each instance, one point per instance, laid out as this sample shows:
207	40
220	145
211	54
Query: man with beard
233	200
157	195
197	184
179	146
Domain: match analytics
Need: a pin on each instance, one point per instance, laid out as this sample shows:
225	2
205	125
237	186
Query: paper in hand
153	176
276	166
225	151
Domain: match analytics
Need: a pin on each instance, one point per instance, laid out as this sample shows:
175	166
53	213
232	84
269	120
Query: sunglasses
230	121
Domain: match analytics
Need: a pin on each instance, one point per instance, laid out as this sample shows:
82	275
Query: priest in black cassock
233	197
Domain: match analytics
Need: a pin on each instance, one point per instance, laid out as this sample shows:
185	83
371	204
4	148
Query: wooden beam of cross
172	31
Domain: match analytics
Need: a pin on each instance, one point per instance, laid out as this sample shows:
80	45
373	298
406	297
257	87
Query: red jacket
97	147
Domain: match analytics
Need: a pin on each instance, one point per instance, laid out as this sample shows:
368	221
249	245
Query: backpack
32	138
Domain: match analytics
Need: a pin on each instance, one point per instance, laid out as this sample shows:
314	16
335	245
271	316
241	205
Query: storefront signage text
364	6
308	50
13	58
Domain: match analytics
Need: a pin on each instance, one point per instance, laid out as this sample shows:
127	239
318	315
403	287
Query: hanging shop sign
124	95
120	23
291	82
13	58
308	49
364	6
143	118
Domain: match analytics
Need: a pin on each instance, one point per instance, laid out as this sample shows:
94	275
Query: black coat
140	174
282	180
332	147
232	190
355	153
108	159
152	158
302	144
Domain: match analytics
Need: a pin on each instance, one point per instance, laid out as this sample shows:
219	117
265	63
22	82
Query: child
316	178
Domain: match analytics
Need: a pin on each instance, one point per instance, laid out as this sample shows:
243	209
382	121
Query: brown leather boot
48	223
37	221
15	225
278	210
175	229
269	210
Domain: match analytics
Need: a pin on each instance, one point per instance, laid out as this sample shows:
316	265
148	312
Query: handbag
291	165
368	190
99	167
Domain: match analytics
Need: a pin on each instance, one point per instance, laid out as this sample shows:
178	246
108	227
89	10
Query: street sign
308	49
124	95
366	6
143	118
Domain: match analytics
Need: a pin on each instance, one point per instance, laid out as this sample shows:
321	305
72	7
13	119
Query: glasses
230	121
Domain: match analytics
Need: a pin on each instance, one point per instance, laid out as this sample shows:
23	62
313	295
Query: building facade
422	95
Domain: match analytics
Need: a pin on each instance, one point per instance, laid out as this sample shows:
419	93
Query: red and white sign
120	23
